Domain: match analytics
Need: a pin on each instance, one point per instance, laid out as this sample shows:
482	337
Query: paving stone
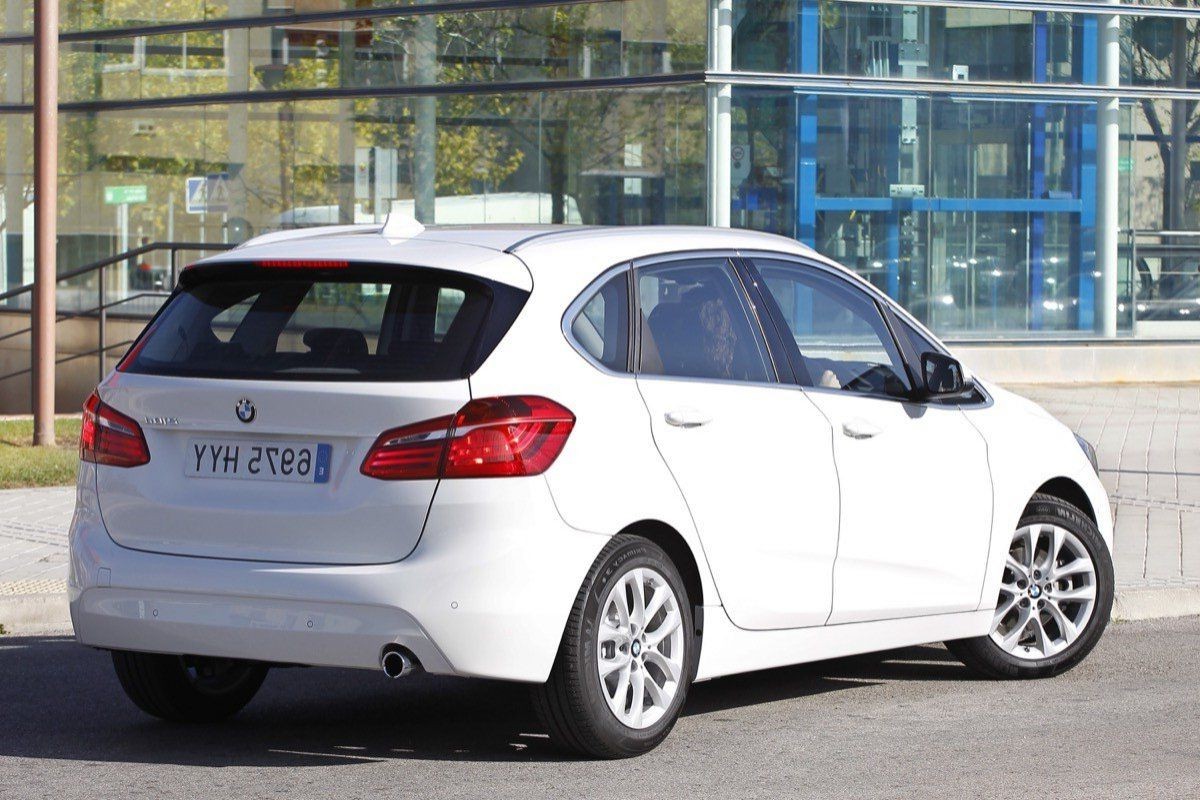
1163	545
1190	545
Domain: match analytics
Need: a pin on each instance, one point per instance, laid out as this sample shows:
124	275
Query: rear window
382	324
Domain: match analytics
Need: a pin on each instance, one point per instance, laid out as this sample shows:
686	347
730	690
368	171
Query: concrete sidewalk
33	558
1147	438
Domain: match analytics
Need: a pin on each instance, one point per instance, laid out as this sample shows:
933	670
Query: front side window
402	326
843	340
601	327
696	323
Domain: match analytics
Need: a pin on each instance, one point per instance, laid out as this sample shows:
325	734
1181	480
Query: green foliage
23	465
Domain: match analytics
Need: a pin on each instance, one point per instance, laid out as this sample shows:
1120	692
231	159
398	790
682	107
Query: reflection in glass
620	156
962	43
976	214
578	41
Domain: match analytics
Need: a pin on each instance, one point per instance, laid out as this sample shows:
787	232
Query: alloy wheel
640	648
1047	593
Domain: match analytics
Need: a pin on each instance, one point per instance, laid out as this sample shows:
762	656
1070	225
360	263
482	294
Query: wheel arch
677	547
1070	491
680	552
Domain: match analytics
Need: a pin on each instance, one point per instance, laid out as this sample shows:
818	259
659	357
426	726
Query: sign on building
124	195
207	194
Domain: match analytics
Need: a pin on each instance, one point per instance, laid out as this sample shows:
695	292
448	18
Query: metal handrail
95	266
101	308
63	316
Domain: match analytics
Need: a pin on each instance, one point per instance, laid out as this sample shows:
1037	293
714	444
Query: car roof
513	254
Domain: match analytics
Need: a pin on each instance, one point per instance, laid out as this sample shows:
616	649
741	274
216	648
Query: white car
607	462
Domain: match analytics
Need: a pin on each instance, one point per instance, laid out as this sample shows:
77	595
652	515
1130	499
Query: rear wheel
188	688
625	662
1055	597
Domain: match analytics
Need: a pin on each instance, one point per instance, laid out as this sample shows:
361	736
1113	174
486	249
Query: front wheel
1055	597
625	662
188	688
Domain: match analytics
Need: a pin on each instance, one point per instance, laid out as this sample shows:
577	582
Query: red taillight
411	452
489	438
301	263
502	436
109	437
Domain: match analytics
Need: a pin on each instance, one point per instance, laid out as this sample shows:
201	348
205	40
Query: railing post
1135	283
102	318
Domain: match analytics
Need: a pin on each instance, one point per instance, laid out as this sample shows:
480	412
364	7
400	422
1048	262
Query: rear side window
389	324
697	324
601	327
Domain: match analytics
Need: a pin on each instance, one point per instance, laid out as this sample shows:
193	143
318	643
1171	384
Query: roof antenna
401	225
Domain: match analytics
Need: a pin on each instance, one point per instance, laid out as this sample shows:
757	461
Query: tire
577	705
1047	647
188	689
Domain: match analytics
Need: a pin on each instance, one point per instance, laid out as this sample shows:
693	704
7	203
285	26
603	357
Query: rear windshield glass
415	326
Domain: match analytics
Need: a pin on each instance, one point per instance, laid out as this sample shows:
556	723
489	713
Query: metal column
720	113
807	57
424	110
45	215
1107	176
1037	168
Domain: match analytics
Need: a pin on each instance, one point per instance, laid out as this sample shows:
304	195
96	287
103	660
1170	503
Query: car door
916	491
752	457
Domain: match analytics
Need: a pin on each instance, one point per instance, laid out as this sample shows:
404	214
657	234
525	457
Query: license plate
294	462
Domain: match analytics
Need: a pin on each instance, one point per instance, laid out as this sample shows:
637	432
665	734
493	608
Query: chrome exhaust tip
397	662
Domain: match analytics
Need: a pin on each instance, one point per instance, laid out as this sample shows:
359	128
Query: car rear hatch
260	387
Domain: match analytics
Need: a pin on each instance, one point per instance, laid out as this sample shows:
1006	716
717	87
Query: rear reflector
494	437
109	437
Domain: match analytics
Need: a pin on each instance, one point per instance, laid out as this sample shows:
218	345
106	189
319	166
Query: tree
589	131
1166	52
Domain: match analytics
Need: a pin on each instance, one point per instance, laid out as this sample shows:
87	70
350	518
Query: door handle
859	428
687	418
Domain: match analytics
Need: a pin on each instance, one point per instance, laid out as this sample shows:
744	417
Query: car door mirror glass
943	375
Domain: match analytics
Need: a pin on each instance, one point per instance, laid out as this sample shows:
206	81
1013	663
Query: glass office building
954	154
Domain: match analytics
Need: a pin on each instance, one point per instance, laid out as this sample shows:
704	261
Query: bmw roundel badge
245	410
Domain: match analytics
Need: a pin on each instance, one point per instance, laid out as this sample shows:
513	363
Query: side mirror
943	375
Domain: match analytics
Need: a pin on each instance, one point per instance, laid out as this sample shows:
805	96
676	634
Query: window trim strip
368	92
905	87
1085	7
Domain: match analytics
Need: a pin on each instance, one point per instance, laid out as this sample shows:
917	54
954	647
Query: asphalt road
909	723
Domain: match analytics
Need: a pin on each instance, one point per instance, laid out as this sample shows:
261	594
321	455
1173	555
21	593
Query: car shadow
61	700
921	663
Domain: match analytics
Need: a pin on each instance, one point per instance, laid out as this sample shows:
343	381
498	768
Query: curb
35	614
1159	602
44	614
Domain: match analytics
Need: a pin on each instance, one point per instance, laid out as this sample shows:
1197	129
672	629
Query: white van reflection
466	209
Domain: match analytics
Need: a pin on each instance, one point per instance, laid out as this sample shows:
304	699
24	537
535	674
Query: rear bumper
312	633
486	593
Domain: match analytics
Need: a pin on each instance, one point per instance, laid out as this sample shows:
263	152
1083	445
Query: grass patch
2	631
22	464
